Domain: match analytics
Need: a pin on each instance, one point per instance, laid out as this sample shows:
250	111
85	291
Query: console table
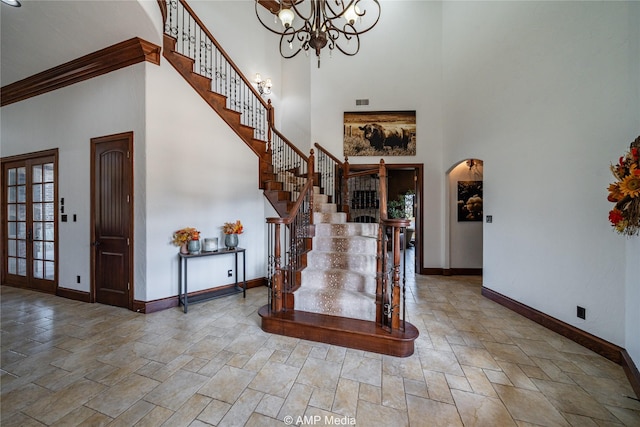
235	289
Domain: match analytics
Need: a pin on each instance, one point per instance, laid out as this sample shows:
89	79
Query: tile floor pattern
66	363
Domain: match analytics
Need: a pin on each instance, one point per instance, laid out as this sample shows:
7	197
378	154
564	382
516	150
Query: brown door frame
3	215
94	142
419	172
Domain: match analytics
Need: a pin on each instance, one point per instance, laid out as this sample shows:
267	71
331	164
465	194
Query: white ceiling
45	33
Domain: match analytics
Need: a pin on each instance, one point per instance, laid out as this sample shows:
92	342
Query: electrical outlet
581	312
489	219
229	273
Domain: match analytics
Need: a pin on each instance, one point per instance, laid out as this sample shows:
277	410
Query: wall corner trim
604	348
95	64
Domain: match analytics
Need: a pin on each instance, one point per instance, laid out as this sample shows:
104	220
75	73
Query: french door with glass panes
30	242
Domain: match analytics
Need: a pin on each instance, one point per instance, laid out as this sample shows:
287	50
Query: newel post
383	190
278	280
395	280
311	173
345	187
380	259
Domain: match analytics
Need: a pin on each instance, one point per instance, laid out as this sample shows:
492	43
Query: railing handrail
328	154
223	52
290	144
362	173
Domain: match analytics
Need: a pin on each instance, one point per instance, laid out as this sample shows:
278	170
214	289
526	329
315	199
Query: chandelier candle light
314	24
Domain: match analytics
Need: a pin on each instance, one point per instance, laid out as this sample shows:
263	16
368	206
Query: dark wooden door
30	242
112	219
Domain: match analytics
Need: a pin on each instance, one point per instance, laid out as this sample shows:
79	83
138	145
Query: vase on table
184	249
193	246
231	241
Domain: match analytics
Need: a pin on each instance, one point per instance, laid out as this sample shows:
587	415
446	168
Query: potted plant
184	237
231	231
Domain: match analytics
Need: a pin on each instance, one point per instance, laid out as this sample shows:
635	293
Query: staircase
340	277
323	272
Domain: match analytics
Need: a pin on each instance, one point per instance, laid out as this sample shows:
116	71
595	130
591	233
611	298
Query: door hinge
128	286
127	198
128	154
127	241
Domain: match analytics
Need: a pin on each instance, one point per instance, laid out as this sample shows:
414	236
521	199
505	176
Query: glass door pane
16	221
43	192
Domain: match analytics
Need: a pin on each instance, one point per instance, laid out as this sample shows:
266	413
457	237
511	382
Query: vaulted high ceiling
43	34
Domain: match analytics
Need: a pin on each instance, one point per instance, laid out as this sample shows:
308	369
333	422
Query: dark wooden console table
224	291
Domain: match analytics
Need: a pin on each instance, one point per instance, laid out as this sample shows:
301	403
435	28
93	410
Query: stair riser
333	302
320	198
329	260
347	229
355	244
338	279
329	218
325	207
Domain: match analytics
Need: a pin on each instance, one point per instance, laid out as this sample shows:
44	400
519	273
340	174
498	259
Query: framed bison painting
380	133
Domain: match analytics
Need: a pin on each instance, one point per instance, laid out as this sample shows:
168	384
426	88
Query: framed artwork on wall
380	133
469	201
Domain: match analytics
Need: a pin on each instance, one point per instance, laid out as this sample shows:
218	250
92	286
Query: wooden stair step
353	333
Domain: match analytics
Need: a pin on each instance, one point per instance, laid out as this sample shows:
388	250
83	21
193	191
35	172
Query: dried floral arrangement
184	235
625	192
232	227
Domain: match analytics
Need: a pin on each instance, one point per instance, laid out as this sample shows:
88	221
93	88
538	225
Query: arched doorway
464	218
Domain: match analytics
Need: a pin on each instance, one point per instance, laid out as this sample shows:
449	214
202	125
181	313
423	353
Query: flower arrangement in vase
184	237
625	192
231	231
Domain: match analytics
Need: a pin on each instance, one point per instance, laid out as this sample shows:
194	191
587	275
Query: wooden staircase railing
329	170
289	240
191	48
194	41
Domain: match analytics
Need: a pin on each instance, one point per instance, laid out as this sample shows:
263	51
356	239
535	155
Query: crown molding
95	64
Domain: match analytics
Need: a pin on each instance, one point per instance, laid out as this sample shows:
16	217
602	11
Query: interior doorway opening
465	218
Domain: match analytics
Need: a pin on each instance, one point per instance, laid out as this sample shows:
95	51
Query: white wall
190	169
632	342
541	92
465	237
199	174
67	119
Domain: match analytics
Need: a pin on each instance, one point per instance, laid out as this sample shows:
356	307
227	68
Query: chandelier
313	24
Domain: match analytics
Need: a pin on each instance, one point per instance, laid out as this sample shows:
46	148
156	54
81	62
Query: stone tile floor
67	363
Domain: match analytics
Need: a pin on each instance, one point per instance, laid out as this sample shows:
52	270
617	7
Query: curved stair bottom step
337	302
350	333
